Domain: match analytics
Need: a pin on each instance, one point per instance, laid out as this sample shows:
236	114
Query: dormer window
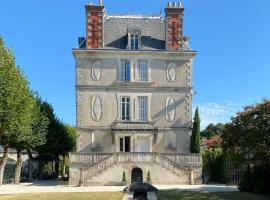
134	41
134	38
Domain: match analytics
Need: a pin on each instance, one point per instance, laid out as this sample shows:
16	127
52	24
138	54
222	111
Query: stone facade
133	102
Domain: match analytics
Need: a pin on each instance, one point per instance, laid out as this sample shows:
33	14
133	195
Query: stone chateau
134	100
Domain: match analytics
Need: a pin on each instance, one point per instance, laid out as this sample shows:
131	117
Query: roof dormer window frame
134	39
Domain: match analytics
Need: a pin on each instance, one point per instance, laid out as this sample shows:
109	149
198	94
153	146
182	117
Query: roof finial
174	4
169	4
100	2
90	3
180	4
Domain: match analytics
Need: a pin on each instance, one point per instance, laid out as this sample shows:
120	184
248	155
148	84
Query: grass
66	196
174	195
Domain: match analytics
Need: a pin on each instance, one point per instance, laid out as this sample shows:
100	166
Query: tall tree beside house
16	103
30	140
69	145
195	142
60	139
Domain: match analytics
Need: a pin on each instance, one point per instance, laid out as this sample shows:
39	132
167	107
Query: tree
30	140
69	136
16	103
212	130
60	138
195	142
248	133
247	137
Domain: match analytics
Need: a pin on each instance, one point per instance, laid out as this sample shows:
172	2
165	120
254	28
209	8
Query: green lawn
173	195
66	196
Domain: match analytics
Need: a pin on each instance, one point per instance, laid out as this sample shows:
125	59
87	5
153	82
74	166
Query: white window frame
143	110
134	41
127	104
125	69
142	71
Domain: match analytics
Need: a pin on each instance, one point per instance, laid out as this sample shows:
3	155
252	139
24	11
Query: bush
148	176
214	164
256	179
124	177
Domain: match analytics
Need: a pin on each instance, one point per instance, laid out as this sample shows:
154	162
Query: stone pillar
81	183
191	176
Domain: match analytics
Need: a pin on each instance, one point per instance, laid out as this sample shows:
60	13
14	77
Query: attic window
134	41
134	38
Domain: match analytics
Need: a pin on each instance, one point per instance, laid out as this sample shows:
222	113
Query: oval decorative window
96	71
171	72
170	109
96	108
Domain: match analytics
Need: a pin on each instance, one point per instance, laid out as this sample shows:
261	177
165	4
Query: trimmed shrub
214	164
124	177
148	176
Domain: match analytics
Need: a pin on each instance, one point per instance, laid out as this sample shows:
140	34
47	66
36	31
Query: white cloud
212	112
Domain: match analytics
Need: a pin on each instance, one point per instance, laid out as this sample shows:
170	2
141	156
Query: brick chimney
174	26
94	25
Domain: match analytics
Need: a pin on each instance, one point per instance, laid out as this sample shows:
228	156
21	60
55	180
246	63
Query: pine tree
195	137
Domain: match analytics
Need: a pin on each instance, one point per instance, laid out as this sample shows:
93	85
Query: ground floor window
125	144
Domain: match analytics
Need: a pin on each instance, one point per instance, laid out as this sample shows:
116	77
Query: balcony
184	160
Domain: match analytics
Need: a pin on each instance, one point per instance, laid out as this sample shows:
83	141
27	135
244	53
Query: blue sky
231	37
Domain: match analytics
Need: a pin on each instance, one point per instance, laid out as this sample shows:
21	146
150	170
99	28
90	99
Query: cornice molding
108	128
133	88
112	53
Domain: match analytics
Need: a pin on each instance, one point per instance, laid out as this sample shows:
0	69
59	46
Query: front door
136	175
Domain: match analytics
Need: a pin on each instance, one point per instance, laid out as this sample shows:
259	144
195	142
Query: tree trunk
56	167
64	166
30	165
3	163
18	167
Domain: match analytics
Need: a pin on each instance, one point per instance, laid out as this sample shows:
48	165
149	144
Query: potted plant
124	178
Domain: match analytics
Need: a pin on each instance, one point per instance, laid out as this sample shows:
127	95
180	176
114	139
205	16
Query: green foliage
148	176
36	136
212	130
195	142
16	101
214	163
60	138
248	134
124	177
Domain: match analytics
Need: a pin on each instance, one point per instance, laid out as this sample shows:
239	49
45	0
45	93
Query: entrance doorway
136	175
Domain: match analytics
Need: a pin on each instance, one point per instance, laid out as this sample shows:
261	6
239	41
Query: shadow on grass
177	195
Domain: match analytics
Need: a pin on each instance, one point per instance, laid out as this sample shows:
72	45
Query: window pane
125	70
143	108
127	144
121	144
125	106
142	70
134	41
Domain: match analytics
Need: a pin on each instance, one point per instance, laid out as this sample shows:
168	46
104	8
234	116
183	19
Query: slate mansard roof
152	28
152	31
